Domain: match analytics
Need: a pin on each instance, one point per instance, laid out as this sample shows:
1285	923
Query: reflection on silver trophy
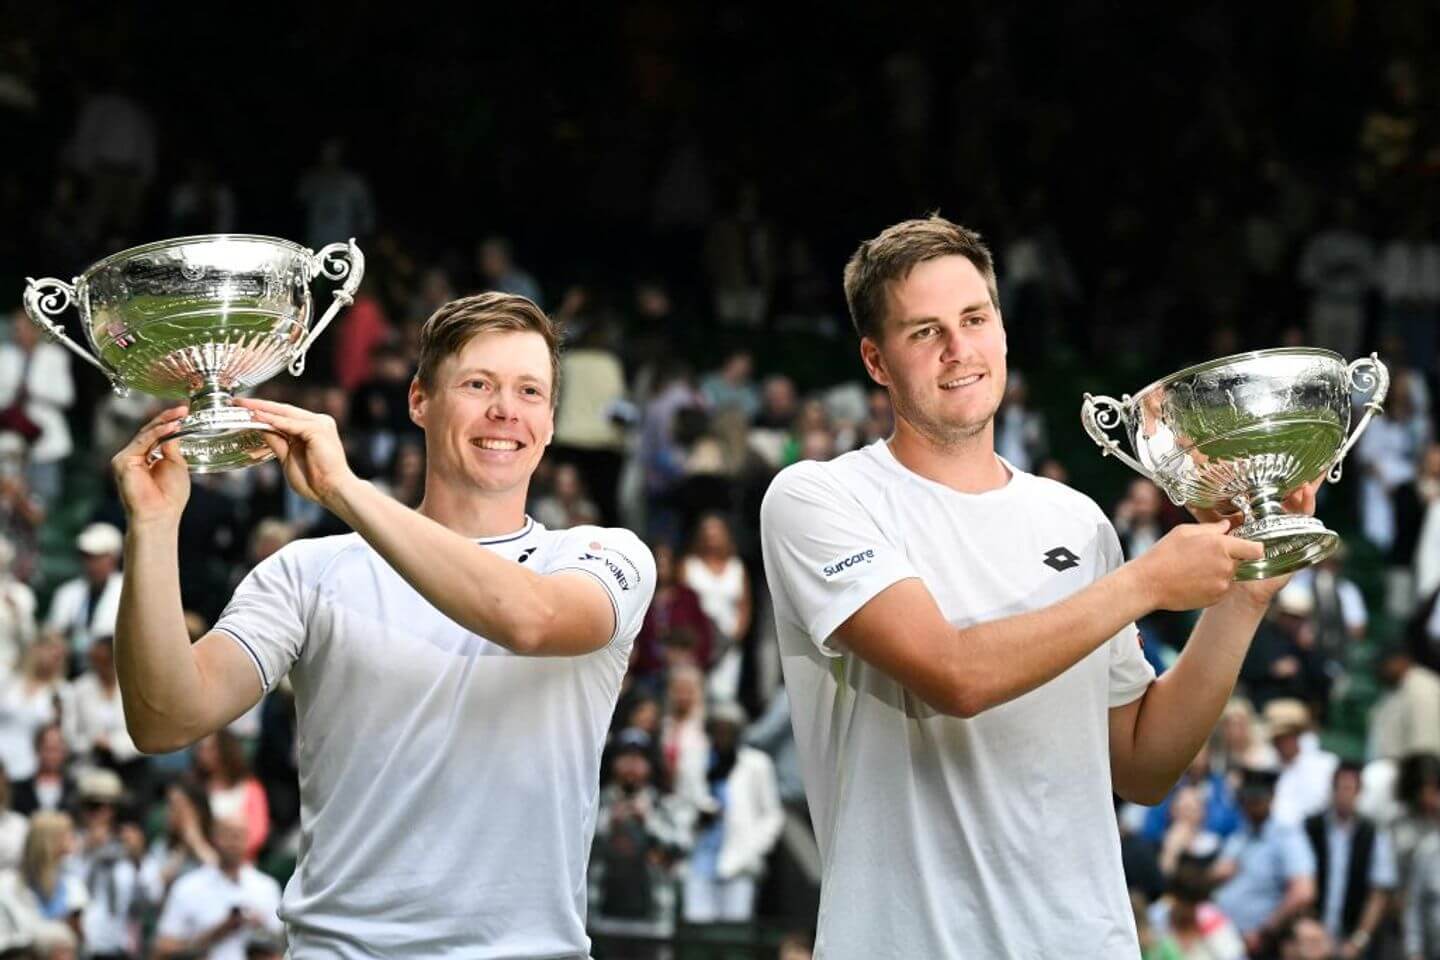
1243	432
198	319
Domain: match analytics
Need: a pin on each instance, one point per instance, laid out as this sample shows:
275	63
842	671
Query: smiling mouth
960	382
492	443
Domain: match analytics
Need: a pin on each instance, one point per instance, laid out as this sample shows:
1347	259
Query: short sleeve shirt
953	819
448	786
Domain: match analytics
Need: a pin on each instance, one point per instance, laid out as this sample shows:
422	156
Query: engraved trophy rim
1236	358
191	240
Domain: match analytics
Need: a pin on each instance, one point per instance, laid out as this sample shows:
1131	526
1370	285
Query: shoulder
312	555
193	883
832	485
255	879
609	545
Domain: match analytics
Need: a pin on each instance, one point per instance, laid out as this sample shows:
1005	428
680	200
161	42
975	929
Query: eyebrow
975	307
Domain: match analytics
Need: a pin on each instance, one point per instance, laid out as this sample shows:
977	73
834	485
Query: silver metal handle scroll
48	297
1102	414
338	261
1367	373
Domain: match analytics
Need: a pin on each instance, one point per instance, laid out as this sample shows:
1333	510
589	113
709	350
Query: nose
956	347
502	407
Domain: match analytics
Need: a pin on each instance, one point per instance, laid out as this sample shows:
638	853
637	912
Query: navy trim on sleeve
259	665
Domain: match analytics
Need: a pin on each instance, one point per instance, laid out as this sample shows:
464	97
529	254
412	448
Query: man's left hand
1301	502
307	445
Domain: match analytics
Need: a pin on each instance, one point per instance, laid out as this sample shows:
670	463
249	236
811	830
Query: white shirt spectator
14	827
202	899
67	612
721	594
1303	789
110	878
97	713
22	713
17	622
49	392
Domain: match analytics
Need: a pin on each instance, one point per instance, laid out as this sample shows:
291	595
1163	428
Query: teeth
488	444
962	382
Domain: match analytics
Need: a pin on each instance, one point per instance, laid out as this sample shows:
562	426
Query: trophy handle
1102	414
1367	373
48	298
338	261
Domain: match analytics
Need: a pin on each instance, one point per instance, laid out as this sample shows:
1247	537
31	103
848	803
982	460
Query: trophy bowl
199	319
1240	434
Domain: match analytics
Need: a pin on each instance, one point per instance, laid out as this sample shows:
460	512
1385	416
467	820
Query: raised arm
1154	738
557	614
173	693
965	671
870	602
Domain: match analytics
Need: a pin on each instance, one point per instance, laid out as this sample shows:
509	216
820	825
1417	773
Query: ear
417	403
874	361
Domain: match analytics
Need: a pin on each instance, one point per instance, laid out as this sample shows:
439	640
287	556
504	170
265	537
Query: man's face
1256	804
228	835
941	351
632	770
1347	792
488	416
1287	745
52	751
98	566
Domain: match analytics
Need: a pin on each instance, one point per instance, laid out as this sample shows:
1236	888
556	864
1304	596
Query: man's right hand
153	489
1193	566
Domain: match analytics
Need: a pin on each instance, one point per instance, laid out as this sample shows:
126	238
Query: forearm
1374	912
484	593
1180	709
999	660
160	684
1298	897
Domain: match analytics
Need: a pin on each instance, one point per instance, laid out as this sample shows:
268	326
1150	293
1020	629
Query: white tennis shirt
448	787
939	836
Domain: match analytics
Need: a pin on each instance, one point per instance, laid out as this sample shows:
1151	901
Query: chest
982	562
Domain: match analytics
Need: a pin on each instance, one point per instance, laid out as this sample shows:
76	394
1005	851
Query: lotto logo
840	566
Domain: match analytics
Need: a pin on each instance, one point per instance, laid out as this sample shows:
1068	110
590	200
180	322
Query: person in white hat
86	606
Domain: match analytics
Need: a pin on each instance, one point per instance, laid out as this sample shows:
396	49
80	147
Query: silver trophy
201	318
1241	433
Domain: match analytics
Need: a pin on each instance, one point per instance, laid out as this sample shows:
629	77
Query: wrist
1137	587
345	495
150	526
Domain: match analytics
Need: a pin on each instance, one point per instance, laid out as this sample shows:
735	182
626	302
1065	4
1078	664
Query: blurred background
680	186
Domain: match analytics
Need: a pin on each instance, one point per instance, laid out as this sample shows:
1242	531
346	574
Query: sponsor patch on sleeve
838	566
620	567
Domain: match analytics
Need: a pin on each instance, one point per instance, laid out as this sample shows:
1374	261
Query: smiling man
455	667
957	636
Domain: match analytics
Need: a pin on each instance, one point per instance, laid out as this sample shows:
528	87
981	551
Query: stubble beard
945	435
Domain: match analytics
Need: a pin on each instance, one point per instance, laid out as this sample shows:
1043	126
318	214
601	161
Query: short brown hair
891	256
457	322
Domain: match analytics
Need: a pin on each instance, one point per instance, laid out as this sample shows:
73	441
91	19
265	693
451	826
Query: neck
969	466
231	869
473	513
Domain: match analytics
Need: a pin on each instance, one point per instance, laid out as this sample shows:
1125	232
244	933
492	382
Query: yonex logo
839	566
618	572
1060	558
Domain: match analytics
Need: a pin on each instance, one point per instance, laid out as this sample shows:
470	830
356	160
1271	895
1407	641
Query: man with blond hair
959	647
455	666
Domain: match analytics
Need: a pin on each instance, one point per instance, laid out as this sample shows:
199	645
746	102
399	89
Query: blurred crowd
706	349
